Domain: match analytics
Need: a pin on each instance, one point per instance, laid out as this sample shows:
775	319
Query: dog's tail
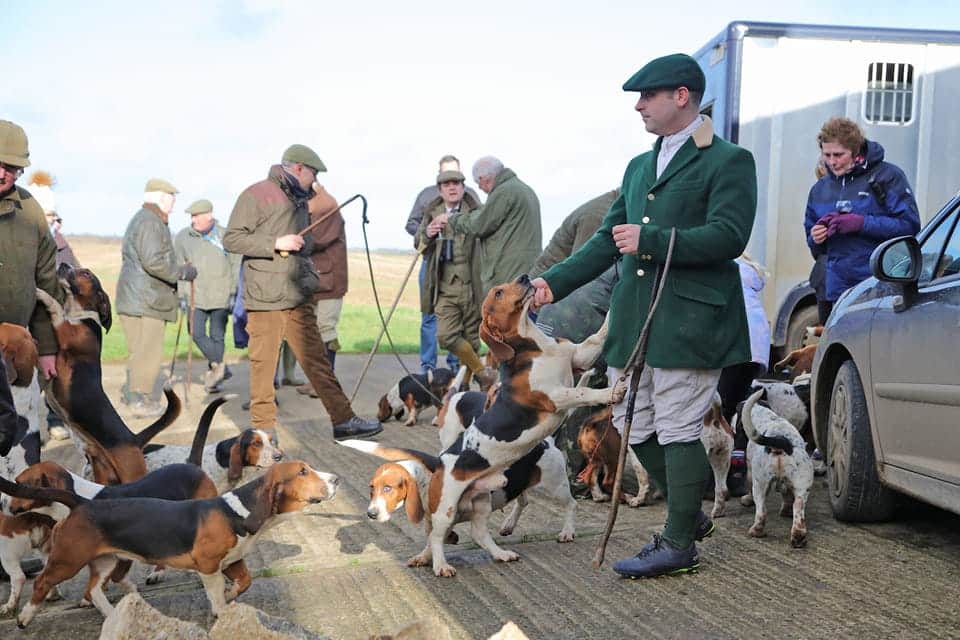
164	421
57	315
746	419
203	428
394	454
68	498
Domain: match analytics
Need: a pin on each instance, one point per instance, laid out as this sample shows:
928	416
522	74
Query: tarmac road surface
339	574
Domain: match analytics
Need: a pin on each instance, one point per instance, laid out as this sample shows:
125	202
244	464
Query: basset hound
19	535
537	389
209	536
599	442
114	451
776	455
173	482
410	395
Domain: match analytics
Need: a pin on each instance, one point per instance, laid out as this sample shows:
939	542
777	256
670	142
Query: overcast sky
208	94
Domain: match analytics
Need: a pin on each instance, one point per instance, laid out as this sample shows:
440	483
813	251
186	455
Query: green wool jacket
27	262
708	192
574	231
264	212
508	230
217	270
147	285
430	289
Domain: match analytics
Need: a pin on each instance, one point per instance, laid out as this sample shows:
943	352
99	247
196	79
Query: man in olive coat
451	282
201	244
279	281
705	188
147	293
507	225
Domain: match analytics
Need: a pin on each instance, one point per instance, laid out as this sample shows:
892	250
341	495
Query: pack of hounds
203	507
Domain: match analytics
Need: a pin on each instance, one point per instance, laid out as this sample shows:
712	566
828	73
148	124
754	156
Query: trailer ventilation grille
889	95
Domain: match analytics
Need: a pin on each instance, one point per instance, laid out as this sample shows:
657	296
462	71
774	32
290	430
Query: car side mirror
899	261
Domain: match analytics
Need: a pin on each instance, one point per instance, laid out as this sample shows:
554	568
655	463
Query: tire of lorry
856	494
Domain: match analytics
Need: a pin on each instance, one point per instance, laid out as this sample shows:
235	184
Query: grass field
359	325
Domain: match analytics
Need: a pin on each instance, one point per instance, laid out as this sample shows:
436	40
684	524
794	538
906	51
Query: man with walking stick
278	284
705	188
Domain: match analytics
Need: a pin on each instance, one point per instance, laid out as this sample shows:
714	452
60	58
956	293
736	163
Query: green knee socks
679	470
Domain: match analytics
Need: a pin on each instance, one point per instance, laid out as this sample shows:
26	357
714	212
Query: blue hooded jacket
888	216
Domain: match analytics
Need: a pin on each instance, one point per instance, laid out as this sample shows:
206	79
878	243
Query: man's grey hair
286	164
487	167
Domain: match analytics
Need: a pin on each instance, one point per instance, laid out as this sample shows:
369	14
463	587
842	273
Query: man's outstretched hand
543	295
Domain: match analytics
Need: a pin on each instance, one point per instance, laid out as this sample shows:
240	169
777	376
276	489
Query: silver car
886	378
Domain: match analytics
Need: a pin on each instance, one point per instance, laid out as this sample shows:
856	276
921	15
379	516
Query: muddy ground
339	574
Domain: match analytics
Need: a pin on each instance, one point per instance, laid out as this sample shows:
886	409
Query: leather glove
187	272
845	223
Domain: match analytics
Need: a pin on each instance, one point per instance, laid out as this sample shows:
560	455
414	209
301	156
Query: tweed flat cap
668	72
303	154
200	206
159	184
447	176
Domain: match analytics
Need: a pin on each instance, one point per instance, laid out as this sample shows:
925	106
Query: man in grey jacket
146	293
215	288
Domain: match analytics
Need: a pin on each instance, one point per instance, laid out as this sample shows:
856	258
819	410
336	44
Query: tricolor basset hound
209	536
537	390
115	453
413	393
776	455
599	442
173	482
232	461
20	357
19	535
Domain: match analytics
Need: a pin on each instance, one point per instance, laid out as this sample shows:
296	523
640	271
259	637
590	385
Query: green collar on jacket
502	177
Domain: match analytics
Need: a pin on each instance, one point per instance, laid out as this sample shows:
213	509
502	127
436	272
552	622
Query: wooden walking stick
176	347
632	372
383	329
190	327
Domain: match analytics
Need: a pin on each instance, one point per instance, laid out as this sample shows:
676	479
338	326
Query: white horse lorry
770	87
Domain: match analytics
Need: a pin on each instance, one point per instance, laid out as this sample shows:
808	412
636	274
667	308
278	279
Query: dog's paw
600	497
746	500
565	536
419	560
7	611
506	531
618	391
54	594
633	501
84	603
798	538
757	531
444	570
505	556
409	422
718	510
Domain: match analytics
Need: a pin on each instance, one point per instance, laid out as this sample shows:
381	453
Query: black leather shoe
356	427
661	559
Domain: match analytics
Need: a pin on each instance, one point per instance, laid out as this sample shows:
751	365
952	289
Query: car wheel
797	331
856	494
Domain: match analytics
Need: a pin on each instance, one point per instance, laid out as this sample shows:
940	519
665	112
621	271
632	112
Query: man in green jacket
214	289
147	293
507	225
279	281
705	188
27	251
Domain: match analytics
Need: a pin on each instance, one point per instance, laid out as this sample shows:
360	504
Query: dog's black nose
278	456
372	514
523	279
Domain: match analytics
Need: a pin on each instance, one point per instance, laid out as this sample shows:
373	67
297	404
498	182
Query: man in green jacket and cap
279	281
705	188
507	226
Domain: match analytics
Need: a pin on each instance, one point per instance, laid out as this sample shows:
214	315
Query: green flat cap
158	184
447	176
200	206
304	155
668	72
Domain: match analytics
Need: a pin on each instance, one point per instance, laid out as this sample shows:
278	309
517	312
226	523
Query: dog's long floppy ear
235	468
412	501
268	504
493	339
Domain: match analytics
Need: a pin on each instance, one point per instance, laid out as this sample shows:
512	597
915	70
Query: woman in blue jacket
858	204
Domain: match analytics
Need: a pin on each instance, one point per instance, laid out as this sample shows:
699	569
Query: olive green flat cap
303	154
159	184
447	176
668	72
200	206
